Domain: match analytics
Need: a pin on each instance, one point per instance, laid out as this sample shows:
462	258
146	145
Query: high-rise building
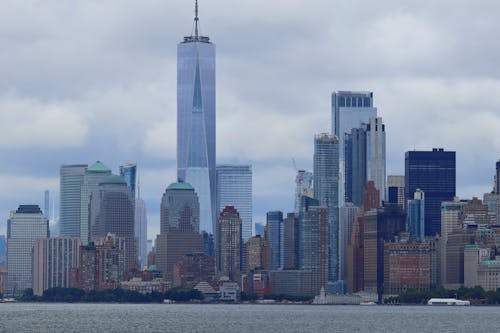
375	155
380	225
348	214
179	227
24	226
112	209
355	165
3	252
303	186
46	204
326	191
53	261
259	229
416	216
450	221
350	109
434	173
314	242
273	239
129	171
396	190
234	188
72	178
255	253
229	244
290	242
93	177
141	230
196	121
497	178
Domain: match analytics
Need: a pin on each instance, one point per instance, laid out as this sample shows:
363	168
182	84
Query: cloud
29	123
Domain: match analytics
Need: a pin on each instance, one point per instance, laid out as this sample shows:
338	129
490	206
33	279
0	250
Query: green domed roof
98	167
180	186
113	179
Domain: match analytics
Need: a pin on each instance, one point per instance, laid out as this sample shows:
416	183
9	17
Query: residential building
255	253
53	261
326	191
290	242
229	244
303	186
194	268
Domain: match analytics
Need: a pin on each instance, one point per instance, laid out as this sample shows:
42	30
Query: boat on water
447	301
366	302
7	300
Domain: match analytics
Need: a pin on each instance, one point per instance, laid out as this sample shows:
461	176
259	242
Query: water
39	317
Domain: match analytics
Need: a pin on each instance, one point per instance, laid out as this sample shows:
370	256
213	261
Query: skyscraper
434	173
396	190
273	239
375	154
355	165
179	227
350	109
71	196
416	216
128	171
234	188
112	209
141	230
303	186
326	191
229	243
24	226
46	204
196	120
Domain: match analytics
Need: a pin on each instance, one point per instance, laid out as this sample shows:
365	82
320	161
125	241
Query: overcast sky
91	80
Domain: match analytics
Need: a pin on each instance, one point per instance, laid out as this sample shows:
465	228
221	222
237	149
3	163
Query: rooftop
98	167
180	186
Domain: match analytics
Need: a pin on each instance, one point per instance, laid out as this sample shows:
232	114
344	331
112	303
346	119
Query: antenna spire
196	19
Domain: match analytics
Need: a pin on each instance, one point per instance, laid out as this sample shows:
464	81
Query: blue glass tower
128	172
415	217
196	120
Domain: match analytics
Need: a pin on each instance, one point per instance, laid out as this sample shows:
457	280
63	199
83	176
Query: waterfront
48	317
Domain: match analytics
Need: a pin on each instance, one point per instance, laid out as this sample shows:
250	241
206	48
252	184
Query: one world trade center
196	120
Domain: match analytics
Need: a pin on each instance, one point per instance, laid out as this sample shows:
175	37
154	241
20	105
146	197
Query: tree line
74	295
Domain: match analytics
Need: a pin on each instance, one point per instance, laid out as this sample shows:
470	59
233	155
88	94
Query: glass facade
303	186
234	188
128	172
415	216
196	122
71	187
434	173
274	221
326	191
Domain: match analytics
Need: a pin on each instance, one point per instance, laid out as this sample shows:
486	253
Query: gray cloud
97	80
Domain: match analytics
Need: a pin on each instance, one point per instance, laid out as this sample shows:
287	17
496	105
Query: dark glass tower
433	172
196	120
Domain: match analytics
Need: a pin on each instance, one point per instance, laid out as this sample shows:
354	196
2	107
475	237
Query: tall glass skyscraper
128	171
326	191
196	120
350	109
72	180
434	172
234	188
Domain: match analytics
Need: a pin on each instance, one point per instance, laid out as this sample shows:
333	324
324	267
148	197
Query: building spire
196	19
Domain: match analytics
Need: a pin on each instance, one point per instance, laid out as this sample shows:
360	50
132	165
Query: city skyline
116	103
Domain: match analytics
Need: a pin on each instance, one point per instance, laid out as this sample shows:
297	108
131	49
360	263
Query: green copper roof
98	167
471	246
491	262
113	179
180	186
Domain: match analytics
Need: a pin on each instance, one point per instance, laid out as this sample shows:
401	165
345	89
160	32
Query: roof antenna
196	19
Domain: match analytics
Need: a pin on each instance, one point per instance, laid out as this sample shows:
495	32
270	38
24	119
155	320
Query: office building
179	227
46	204
128	172
326	191
24	227
434	173
71	185
314	242
273	239
112	209
229	244
259	229
396	190
196	121
497	178
416	216
348	214
141	230
3	252
194	268
376	155
234	188
53	261
350	109
303	186
355	146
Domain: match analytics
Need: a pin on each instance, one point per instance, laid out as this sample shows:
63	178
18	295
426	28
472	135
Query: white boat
447	301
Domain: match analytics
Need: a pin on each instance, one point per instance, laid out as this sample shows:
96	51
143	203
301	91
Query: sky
91	80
